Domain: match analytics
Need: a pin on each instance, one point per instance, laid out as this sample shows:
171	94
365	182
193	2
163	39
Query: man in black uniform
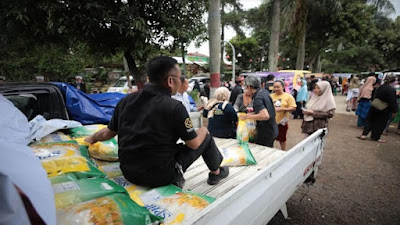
149	123
267	129
237	90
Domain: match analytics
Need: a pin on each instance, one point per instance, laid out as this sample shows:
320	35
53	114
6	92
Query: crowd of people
266	101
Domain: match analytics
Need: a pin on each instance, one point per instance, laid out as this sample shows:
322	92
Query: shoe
214	179
362	137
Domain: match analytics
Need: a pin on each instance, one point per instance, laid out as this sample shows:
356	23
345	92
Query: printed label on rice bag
66	186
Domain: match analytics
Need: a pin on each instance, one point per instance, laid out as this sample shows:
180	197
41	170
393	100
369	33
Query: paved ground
358	181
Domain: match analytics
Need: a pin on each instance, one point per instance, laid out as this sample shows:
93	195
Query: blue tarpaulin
89	108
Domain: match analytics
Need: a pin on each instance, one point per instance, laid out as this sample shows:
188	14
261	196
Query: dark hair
158	68
389	78
312	76
270	77
371	74
280	81
182	78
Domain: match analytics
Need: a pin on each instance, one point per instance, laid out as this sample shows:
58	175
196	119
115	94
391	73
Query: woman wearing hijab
364	99
320	108
221	116
301	98
352	94
383	106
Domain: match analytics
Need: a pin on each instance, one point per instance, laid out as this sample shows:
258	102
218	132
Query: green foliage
249	49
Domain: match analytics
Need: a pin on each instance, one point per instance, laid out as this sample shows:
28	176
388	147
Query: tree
136	28
249	49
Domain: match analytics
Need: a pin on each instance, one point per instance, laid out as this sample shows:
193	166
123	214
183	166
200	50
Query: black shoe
214	179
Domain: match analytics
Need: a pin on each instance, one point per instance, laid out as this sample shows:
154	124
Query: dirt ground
358	181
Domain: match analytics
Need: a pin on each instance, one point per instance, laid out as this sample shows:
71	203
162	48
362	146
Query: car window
120	83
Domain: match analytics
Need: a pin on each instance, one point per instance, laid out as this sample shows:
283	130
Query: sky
248	4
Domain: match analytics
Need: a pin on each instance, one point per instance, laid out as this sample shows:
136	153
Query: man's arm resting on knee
196	142
101	135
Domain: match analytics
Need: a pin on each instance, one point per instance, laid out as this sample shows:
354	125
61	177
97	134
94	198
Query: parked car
121	86
202	82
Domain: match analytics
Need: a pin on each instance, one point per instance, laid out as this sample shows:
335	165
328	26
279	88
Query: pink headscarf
367	88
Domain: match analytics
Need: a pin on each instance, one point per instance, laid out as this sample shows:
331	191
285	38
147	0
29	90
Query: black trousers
172	172
298	112
208	150
376	123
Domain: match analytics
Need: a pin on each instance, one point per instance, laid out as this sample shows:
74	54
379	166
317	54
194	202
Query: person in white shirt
183	97
22	177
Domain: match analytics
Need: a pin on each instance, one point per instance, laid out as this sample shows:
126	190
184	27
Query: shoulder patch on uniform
188	123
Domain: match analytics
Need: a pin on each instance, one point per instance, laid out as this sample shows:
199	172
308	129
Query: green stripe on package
114	209
173	204
73	192
86	130
237	154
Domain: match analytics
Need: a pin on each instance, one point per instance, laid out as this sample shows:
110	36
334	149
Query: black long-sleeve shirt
387	94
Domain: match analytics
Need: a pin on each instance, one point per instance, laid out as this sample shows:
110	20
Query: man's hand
243	117
279	109
91	139
101	135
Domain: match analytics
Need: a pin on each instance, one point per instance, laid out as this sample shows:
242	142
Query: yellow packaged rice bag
105	150
59	158
173	204
237	154
246	130
73	192
134	190
55	137
114	209
111	169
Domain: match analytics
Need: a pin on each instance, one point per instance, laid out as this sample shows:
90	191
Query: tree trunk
319	66
301	53
222	37
183	59
274	38
140	78
339	49
214	32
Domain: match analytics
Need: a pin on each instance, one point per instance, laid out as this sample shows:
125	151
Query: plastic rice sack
237	155
86	130
134	190
173	204
63	178
55	137
246	130
73	192
105	150
111	169
59	158
114	209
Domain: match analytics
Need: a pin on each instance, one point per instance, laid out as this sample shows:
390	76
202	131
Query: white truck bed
254	194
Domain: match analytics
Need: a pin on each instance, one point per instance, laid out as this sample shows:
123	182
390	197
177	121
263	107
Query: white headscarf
323	102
